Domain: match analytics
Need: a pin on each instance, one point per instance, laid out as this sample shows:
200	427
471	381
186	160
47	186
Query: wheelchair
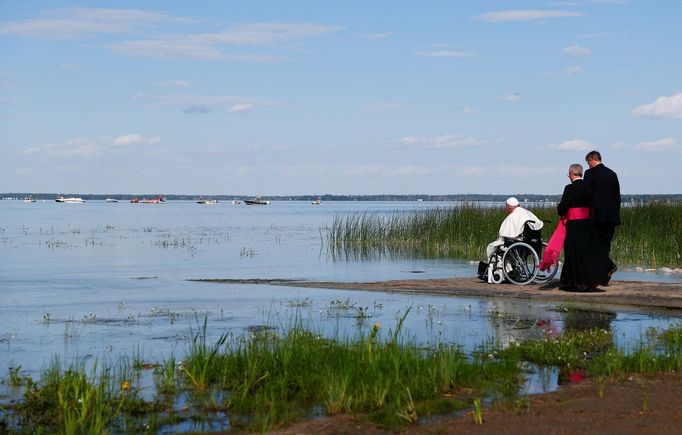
518	261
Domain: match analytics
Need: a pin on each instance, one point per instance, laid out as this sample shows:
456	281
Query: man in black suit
605	214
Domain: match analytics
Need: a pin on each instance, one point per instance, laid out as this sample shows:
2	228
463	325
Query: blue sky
353	97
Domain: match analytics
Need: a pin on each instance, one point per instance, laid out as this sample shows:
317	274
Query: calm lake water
101	281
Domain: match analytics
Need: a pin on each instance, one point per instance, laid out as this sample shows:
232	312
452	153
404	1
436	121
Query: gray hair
576	169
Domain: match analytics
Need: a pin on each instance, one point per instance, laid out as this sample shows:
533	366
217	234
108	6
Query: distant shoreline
472	197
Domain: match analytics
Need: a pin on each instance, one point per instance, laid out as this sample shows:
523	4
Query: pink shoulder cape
556	242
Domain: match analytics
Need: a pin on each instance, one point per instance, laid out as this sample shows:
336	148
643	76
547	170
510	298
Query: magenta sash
556	242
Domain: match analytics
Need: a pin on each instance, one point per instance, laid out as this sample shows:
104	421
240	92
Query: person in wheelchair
515	254
513	225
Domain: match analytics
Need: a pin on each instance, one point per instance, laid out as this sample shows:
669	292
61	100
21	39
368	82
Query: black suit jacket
576	194
606	190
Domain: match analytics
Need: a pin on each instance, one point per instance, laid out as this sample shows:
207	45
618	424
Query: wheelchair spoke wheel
545	276
520	264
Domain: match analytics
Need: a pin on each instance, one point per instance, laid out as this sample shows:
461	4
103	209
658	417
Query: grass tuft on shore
272	378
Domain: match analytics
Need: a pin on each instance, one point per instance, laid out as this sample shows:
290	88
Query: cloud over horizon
441	142
663	107
525	15
90	147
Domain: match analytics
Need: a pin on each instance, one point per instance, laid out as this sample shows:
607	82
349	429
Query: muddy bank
633	406
625	293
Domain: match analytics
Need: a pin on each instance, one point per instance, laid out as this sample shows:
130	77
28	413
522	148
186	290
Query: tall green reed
650	235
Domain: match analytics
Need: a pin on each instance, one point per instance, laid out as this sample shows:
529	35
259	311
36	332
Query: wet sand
623	293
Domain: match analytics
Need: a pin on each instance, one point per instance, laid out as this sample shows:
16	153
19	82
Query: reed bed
650	236
272	378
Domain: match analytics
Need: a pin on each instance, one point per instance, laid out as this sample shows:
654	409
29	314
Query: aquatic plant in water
276	376
649	235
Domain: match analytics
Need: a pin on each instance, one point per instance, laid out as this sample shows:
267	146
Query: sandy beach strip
623	293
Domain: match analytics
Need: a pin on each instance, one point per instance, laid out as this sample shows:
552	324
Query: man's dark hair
593	155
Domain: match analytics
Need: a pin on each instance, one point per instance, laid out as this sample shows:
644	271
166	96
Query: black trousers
605	233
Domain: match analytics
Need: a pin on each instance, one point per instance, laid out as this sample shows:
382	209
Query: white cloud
467	110
89	147
656	145
186	49
524	15
571	71
577	51
442	141
387	171
136	139
176	84
445	54
241	108
663	107
268	33
74	23
571	145
205	104
594	35
376	36
207	46
509	171
79	23
510	97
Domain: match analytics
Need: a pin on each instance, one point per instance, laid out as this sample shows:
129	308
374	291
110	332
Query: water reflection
578	319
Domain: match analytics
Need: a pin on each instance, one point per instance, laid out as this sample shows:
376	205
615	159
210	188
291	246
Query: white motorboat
70	200
111	200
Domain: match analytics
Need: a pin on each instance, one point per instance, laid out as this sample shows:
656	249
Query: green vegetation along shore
275	377
650	236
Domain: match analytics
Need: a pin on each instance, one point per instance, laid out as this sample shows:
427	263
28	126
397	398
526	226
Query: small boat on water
29	199
204	201
318	201
135	200
158	200
111	200
256	201
70	200
236	201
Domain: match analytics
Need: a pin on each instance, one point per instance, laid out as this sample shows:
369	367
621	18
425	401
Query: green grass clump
275	377
72	402
649	236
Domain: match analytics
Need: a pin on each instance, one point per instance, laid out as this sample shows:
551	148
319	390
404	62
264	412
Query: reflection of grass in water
275	377
649	235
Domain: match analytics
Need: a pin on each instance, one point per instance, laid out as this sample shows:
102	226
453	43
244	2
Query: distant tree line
473	197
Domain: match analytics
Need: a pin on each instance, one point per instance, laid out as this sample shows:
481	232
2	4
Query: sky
351	97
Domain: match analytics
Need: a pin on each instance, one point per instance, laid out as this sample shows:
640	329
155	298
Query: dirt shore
634	406
623	293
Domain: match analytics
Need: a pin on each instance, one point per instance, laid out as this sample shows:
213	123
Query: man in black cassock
605	214
585	262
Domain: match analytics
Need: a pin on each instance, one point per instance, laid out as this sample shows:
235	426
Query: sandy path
628	293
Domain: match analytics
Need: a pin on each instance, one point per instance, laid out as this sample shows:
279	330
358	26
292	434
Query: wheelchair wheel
520	263
545	276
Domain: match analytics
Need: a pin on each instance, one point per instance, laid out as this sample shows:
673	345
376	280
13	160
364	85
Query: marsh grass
650	234
276	376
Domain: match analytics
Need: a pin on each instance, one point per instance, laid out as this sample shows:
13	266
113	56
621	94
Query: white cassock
512	226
